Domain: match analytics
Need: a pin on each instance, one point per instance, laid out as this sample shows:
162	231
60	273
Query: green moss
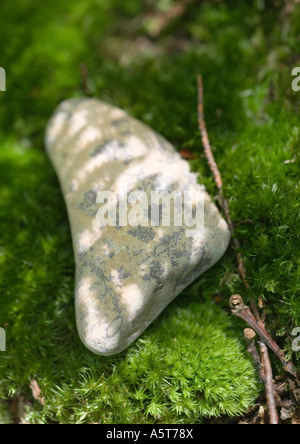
246	54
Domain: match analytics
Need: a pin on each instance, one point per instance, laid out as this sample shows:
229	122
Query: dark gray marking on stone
90	197
123	274
191	251
123	122
99	149
118	122
137	252
87	205
145	234
103	145
81	255
128	160
114	327
126	133
149	182
203	264
169	243
155	272
99	273
159	288
174	263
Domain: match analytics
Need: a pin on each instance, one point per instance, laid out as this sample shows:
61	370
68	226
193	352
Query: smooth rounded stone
125	275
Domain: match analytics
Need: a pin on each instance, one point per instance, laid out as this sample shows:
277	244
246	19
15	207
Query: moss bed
192	363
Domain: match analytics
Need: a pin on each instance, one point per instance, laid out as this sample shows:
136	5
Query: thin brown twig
266	369
37	392
245	221
270	389
84	78
250	335
205	140
241	310
223	201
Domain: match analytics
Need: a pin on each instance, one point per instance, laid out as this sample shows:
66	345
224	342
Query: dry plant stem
264	370
84	77
243	311
204	135
250	340
37	392
218	179
270	390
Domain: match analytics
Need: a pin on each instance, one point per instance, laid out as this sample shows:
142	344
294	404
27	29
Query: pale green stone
125	276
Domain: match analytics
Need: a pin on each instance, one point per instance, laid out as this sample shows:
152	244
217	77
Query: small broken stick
241	310
250	335
264	370
269	385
